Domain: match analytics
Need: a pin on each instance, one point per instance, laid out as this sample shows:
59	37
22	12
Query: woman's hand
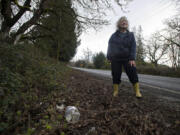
132	63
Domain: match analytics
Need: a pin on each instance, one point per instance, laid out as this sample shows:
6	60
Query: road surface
166	87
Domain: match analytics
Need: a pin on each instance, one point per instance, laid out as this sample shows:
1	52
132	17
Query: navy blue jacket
121	47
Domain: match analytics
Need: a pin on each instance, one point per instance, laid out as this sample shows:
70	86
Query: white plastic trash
72	114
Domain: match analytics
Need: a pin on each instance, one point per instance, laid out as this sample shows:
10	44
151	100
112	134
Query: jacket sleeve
133	47
109	51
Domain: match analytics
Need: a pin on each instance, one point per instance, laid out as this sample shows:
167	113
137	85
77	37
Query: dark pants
116	71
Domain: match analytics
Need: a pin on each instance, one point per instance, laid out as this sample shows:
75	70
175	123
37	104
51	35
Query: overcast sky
150	14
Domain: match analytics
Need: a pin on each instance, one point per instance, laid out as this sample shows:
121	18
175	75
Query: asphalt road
166	87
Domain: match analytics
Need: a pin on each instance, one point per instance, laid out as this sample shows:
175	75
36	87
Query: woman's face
123	24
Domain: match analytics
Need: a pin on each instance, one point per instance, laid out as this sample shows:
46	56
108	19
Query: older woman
122	52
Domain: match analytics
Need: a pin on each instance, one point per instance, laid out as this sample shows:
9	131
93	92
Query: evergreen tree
140	51
99	60
60	31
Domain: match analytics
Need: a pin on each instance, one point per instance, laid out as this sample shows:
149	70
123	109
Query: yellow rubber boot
116	88
137	91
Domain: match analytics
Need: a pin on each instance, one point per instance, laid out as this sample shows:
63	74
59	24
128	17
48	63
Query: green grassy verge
29	84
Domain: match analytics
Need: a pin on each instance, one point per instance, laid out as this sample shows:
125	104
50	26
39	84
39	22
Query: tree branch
23	9
170	40
33	20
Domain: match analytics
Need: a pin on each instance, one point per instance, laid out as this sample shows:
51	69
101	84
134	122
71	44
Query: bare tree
173	51
87	54
177	3
89	14
172	32
156	49
12	11
140	51
92	13
171	36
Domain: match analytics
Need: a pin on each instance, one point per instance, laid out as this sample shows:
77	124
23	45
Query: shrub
27	76
81	63
99	60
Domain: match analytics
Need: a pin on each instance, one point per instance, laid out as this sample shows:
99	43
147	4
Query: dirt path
124	115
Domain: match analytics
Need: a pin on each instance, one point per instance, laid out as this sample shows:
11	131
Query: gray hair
122	19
